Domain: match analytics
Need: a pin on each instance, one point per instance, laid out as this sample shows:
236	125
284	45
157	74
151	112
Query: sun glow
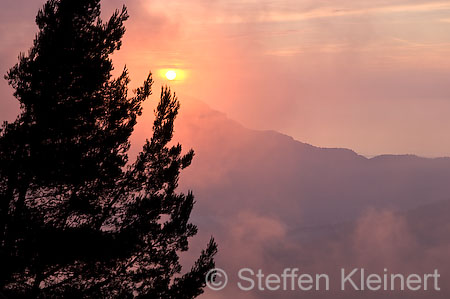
171	75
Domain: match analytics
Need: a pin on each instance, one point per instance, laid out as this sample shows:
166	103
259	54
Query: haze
372	76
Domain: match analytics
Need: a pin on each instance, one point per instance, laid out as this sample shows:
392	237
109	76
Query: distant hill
274	174
273	202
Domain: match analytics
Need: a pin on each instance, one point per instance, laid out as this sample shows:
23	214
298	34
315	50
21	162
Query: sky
369	75
372	76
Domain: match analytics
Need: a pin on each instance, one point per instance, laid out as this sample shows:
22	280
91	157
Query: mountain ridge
274	202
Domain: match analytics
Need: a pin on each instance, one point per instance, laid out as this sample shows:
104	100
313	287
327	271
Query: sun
171	75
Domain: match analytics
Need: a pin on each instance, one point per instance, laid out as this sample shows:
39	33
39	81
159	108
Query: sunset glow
380	68
308	139
171	75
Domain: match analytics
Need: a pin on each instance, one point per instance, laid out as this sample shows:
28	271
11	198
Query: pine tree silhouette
76	219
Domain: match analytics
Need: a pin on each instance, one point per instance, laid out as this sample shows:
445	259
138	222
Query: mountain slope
273	174
273	202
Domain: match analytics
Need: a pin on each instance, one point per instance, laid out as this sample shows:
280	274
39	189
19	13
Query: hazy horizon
308	119
371	76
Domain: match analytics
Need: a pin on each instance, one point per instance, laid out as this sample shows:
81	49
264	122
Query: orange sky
368	75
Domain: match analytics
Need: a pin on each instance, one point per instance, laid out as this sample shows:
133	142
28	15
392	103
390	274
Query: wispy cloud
277	16
324	48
